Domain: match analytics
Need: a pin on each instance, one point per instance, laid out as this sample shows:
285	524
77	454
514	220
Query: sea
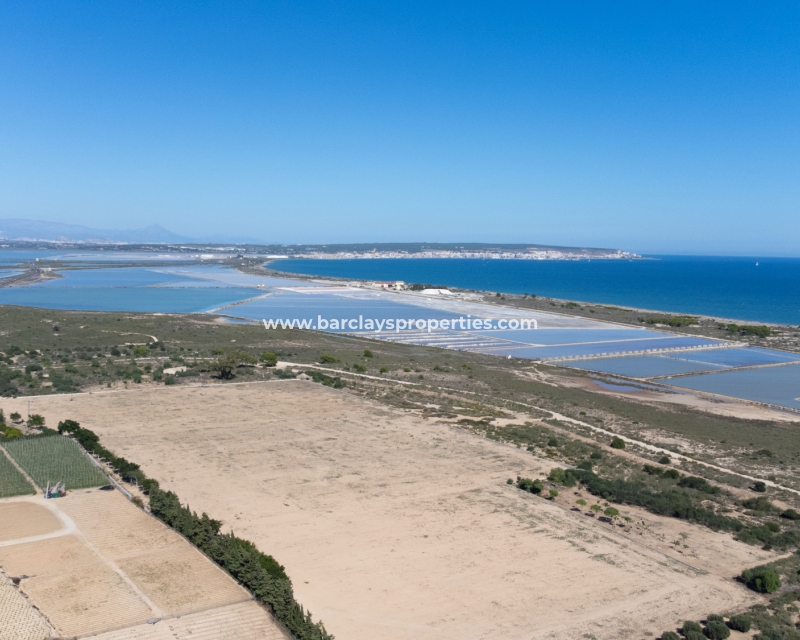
748	289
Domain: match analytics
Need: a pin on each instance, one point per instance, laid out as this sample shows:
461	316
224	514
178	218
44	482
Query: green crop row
12	482
53	459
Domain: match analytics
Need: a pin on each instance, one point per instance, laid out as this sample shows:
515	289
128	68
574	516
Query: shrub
596	455
690	626
581	502
169	379
526	484
586	465
559	476
664	460
717	630
700	484
762	579
651	470
327	359
740	622
115	352
12	432
758	504
617	443
672	474
269	359
367	353
759	487
140	351
694	635
509	481
552	442
611	512
384	370
670	635
790	514
360	368
15	417
553	494
35	420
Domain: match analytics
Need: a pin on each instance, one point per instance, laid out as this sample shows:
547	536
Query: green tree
762	579
617	443
269	359
670	635
226	365
367	353
611	512
140	351
35	420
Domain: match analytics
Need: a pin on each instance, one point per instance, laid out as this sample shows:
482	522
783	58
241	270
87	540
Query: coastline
707	325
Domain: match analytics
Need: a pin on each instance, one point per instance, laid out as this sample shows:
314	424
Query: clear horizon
661	131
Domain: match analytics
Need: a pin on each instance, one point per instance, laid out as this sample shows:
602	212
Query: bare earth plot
396	527
92	562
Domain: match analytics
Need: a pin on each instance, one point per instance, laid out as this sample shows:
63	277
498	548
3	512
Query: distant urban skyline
656	130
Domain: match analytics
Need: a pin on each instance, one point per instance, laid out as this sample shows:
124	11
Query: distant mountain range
44	231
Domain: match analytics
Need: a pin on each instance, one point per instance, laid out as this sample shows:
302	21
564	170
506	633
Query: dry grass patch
180	580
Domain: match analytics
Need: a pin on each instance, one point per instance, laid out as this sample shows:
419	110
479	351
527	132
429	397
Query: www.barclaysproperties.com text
400	324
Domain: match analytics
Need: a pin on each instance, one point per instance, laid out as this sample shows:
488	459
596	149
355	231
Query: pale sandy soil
24	519
114	568
392	526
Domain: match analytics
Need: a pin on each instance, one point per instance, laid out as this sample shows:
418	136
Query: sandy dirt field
93	562
392	526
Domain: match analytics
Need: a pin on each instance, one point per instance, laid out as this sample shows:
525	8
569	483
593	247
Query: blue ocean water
750	289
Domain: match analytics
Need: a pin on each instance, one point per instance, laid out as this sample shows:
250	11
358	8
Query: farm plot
113	569
18	619
12	482
54	459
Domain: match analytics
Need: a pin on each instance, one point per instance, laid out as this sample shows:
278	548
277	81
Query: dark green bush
617	443
672	474
758	504
526	484
700	484
552	442
596	455
717	630
690	625
664	460
762	579
740	622
790	514
586	465
651	470
670	635
759	487
559	476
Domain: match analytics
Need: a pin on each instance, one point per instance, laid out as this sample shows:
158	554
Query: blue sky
654	127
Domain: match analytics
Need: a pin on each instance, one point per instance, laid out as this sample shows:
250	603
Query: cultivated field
55	459
393	526
12	482
93	563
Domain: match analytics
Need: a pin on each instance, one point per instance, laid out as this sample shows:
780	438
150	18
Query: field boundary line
35	486
554	415
68	528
